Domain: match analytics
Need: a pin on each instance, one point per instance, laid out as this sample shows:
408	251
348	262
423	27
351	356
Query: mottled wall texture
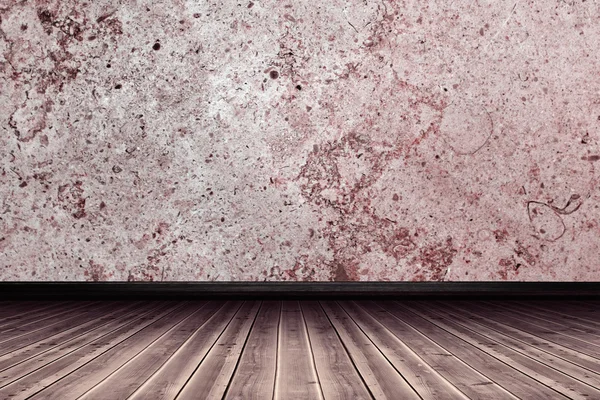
299	140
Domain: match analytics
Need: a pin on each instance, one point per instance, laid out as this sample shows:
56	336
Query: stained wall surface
299	141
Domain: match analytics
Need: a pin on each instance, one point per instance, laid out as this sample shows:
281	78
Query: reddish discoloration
97	272
275	141
71	197
399	243
509	268
500	235
435	260
525	254
593	158
300	270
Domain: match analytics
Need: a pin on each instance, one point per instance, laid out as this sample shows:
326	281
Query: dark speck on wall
362	137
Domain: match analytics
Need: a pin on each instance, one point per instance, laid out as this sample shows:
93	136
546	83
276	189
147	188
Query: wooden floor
300	350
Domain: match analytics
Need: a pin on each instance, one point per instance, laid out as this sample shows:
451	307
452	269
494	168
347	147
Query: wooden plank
18	328
569	307
254	378
468	380
58	324
572	319
168	381
520	385
75	346
538	338
37	348
566	306
420	376
21	310
560	335
590	311
32	316
87	376
558	363
212	376
338	377
10	306
50	373
550	377
383	381
296	377
569	328
124	381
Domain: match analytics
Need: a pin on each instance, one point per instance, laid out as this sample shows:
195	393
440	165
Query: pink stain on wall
265	140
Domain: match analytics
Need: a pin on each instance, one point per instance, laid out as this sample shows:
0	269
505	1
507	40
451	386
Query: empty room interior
298	200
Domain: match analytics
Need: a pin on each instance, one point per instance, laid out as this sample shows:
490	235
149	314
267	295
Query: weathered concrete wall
300	140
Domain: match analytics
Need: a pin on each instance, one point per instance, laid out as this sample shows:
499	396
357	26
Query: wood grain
35	349
168	381
212	376
584	334
254	378
587	317
564	337
542	373
56	325
520	385
523	347
383	381
465	378
296	375
564	322
537	339
59	368
422	377
331	350
87	376
125	380
338	377
19	328
20	312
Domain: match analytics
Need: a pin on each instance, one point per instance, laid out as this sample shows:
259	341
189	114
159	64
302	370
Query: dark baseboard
296	290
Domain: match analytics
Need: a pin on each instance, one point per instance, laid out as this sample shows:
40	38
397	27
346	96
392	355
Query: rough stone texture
270	140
